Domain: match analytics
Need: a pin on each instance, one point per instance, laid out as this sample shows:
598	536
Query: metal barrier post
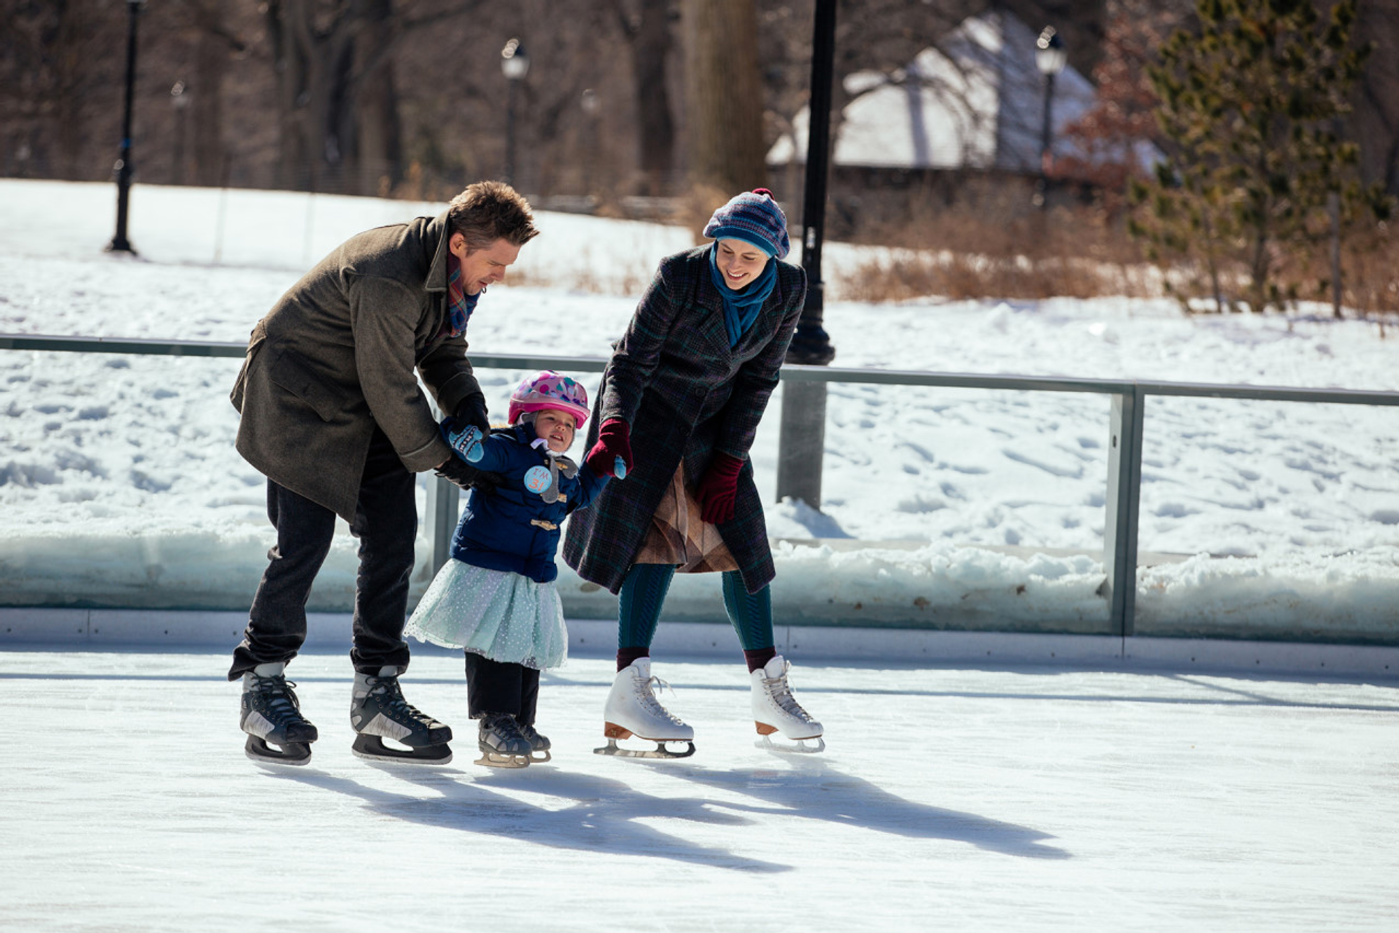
1123	503
803	429
802	442
443	507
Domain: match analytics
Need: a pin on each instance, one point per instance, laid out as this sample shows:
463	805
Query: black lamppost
811	344
123	168
514	63
179	99
1050	59
803	425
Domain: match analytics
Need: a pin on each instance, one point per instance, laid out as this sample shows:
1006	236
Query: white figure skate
776	710
632	709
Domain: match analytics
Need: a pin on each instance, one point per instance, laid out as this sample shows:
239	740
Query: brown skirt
679	536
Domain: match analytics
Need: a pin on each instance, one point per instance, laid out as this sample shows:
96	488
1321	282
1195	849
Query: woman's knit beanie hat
753	217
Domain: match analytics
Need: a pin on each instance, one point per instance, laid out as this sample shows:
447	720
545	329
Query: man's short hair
491	210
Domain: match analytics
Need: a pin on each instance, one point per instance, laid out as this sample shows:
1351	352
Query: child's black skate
378	711
502	744
272	714
539	744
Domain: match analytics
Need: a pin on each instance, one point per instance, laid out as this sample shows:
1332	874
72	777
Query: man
333	415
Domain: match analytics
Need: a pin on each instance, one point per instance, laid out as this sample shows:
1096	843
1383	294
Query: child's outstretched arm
590	484
483	452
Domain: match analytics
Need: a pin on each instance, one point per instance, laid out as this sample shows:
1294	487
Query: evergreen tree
1251	108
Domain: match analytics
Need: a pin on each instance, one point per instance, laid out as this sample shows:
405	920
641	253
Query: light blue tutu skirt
502	616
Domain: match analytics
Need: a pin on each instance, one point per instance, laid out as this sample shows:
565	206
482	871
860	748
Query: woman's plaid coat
684	392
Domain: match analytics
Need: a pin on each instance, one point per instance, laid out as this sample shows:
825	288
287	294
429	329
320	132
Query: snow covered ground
951	800
119	484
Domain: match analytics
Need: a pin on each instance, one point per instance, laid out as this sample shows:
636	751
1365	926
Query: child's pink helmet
548	389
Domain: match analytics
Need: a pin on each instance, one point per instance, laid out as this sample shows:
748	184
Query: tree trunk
312	96
1333	211
289	66
213	45
724	96
379	148
648	36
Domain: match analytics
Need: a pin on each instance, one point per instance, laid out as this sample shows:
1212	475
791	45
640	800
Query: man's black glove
471	411
468	477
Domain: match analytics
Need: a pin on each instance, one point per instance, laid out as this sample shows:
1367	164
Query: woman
690	379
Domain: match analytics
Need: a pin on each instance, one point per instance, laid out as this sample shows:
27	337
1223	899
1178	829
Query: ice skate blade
660	751
293	753
539	756
800	748
494	759
372	748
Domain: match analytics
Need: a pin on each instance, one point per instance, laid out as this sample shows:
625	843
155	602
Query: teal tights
644	592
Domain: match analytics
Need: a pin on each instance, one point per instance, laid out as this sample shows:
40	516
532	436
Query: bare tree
1375	122
60	87
335	89
723	95
646	28
217	43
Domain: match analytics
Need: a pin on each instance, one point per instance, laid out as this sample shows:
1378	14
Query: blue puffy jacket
514	529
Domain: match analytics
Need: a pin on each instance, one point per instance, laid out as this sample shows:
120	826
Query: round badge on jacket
537	478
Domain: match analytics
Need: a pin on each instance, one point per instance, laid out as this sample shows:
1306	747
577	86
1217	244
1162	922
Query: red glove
613	444
718	487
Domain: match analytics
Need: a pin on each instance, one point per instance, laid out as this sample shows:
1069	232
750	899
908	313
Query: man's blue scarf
741	307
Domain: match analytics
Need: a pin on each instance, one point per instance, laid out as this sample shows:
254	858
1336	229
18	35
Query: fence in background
1126	429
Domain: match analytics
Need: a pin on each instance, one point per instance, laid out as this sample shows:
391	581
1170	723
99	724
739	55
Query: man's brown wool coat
336	355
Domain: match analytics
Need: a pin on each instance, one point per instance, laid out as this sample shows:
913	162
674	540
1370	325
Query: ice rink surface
948	799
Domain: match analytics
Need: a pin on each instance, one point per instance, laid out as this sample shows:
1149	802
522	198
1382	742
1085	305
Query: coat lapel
758	335
436	280
711	323
435	284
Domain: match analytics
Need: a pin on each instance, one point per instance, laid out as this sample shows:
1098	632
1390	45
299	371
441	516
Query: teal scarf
741	307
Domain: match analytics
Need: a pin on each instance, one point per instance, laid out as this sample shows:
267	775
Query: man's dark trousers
386	524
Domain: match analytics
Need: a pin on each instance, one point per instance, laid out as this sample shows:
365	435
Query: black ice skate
271	714
378	711
502	743
539	744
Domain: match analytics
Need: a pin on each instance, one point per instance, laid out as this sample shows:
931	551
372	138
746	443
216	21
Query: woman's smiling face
739	261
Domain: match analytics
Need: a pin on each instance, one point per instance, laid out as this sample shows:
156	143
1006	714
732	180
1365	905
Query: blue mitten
465	440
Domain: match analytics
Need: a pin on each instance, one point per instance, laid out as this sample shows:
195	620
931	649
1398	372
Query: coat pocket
290	371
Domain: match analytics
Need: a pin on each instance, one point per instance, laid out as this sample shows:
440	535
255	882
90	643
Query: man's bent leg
277	621
386	523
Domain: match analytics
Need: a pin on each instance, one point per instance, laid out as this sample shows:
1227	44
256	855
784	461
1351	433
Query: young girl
495	598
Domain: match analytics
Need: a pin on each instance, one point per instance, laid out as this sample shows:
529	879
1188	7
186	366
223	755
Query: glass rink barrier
951	502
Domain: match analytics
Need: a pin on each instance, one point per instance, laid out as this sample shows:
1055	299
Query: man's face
483	266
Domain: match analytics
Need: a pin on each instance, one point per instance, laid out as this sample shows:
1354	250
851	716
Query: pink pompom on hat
549	390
